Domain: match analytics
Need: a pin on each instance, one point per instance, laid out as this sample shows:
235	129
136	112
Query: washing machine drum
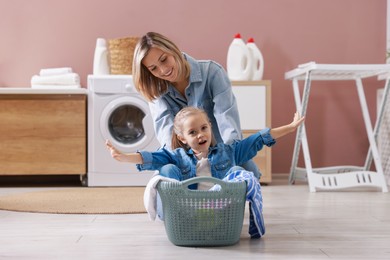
127	123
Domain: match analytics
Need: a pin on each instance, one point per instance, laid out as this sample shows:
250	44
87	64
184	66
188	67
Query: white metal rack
338	177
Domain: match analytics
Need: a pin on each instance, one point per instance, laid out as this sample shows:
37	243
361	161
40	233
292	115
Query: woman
171	80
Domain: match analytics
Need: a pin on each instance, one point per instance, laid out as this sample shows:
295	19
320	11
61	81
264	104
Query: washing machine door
127	123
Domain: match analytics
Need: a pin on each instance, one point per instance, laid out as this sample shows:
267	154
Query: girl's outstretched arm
122	157
286	129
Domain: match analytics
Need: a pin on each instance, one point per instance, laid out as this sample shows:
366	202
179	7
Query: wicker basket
121	53
203	218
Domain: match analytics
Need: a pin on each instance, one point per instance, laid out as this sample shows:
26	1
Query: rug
102	200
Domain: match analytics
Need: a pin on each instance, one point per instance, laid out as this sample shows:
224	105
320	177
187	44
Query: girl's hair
145	82
183	114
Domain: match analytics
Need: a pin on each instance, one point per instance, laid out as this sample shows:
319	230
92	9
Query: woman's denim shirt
210	89
221	157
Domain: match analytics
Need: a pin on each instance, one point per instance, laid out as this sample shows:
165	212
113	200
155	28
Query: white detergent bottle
100	60
238	60
257	60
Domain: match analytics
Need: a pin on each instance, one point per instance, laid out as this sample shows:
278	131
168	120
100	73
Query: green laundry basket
202	217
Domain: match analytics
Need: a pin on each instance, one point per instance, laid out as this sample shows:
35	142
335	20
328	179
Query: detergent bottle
257	61
239	63
100	60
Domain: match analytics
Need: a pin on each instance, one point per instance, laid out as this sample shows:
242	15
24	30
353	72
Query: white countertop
42	91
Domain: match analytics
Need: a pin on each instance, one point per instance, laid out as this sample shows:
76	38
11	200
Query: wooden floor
300	225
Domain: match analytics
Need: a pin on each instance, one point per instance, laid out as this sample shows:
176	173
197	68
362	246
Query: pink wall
47	33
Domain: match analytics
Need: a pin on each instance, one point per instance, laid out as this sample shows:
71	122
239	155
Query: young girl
196	153
171	80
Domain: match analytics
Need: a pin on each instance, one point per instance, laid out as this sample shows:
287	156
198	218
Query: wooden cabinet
43	134
254	107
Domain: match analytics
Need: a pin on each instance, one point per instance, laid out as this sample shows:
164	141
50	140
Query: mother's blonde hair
183	114
150	86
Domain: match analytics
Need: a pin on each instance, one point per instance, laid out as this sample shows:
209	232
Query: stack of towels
56	78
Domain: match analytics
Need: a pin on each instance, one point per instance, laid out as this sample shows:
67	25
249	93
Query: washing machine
118	113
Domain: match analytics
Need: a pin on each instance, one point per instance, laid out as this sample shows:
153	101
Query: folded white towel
55	86
55	71
150	195
65	79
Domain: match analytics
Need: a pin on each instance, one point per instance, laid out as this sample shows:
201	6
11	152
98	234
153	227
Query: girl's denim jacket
221	156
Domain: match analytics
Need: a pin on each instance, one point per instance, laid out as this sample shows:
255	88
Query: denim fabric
209	88
250	166
222	157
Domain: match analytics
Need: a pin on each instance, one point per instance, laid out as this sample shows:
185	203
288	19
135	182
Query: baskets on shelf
121	52
202	217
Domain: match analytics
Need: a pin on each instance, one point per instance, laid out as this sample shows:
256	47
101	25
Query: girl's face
161	64
196	133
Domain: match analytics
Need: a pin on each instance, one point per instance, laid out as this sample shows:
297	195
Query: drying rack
338	177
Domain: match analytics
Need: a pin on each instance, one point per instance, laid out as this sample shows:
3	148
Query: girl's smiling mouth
202	142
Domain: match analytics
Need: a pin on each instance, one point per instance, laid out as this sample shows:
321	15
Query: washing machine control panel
111	84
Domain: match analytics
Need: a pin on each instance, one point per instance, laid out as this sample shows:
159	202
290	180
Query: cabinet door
42	134
253	101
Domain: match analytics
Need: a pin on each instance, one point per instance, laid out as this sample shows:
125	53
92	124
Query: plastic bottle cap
101	42
237	36
251	40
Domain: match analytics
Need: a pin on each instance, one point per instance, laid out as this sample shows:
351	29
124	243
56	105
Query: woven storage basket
203	218
121	52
